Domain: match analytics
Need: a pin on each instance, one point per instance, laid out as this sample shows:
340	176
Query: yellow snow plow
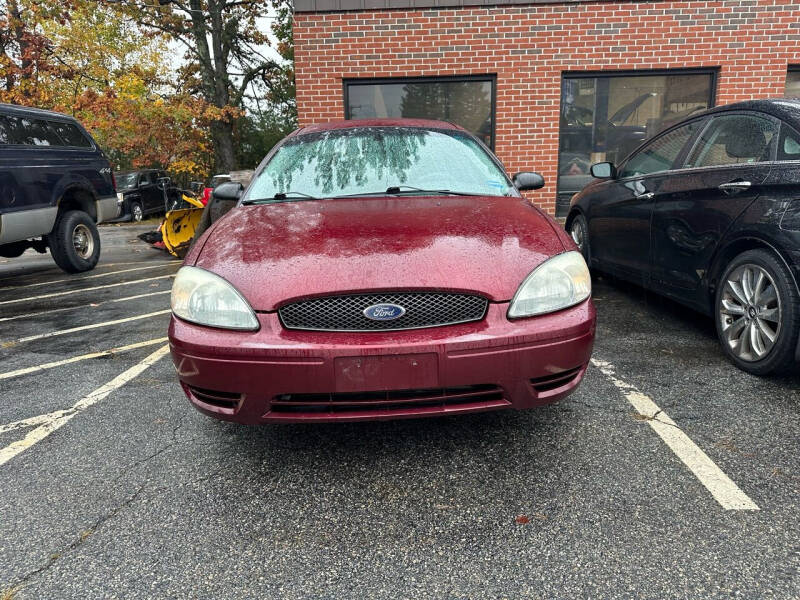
178	227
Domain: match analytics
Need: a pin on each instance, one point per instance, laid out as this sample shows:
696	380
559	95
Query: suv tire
74	242
758	323
136	212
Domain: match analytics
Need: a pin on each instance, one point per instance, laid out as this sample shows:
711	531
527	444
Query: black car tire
781	357
74	242
580	230
136	211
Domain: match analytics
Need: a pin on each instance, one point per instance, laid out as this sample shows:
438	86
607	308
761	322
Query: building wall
529	46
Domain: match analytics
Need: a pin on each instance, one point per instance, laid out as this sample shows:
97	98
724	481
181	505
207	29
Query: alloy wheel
82	241
136	210
750	312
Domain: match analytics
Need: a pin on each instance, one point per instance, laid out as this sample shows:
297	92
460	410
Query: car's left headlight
201	297
559	282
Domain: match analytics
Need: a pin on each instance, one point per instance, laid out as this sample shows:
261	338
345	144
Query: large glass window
793	83
368	161
604	117
71	135
468	102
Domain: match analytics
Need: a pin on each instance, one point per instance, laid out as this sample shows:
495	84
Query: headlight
559	282
207	299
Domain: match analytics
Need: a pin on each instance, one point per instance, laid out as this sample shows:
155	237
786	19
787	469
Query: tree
221	39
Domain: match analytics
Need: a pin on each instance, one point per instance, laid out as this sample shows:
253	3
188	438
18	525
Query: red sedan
375	270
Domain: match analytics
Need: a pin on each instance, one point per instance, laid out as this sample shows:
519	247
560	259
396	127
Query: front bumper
278	375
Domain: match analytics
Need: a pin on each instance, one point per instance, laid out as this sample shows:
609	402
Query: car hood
276	253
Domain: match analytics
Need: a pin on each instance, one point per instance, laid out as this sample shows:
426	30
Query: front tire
579	232
136	212
757	313
74	242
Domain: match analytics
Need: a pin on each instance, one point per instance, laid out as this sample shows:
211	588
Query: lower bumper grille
551	382
225	400
389	401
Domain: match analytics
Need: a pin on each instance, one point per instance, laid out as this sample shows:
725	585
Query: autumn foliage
108	64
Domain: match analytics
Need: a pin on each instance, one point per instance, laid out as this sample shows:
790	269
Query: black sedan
708	213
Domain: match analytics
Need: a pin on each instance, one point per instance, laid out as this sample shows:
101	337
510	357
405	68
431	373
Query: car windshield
125	181
371	160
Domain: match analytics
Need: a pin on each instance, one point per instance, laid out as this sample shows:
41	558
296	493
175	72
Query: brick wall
529	47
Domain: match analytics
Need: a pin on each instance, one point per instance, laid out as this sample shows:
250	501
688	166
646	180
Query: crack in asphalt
19	584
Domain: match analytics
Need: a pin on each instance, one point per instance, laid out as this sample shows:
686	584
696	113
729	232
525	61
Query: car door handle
645	196
734	185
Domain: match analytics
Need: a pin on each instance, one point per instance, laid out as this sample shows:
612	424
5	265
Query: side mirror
230	190
528	180
604	170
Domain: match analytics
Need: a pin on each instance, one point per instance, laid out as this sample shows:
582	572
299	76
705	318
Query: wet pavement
113	486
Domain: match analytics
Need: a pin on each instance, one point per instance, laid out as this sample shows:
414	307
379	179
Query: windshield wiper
401	190
280	197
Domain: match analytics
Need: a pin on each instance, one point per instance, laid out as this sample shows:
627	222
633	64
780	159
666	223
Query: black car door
148	192
621	209
720	177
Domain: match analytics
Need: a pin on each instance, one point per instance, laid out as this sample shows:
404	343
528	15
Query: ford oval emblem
384	312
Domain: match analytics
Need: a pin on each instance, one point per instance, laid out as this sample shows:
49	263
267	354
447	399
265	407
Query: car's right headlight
201	297
559	282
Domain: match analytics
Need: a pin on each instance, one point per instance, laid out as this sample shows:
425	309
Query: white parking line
41	336
67	361
51	422
90	305
88	289
95	276
724	490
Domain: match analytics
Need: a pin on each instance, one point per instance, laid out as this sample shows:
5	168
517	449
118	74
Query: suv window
734	139
70	134
661	153
32	132
789	146
145	178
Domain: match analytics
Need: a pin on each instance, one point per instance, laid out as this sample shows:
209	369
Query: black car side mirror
604	170
528	180
230	190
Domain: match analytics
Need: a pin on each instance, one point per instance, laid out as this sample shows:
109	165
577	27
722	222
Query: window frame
789	69
713	72
488	77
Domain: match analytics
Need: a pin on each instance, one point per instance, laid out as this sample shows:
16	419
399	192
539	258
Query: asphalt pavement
113	486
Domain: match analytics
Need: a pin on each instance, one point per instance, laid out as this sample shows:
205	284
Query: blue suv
55	186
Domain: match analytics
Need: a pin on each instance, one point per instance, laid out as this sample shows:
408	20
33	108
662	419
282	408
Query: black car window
734	139
33	132
71	135
661	153
145	178
5	132
789	146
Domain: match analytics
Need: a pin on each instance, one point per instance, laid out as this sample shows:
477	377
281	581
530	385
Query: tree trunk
222	139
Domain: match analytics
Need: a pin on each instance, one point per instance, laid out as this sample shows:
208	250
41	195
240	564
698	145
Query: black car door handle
735	185
645	196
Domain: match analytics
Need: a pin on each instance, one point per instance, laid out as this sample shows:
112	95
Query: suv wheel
758	313
74	242
136	212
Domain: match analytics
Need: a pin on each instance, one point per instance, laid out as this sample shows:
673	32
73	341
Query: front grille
346	313
390	401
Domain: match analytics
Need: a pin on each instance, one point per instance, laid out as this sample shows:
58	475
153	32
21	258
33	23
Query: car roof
787	109
15	109
350	123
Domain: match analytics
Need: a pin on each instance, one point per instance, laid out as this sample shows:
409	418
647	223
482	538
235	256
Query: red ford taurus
376	270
